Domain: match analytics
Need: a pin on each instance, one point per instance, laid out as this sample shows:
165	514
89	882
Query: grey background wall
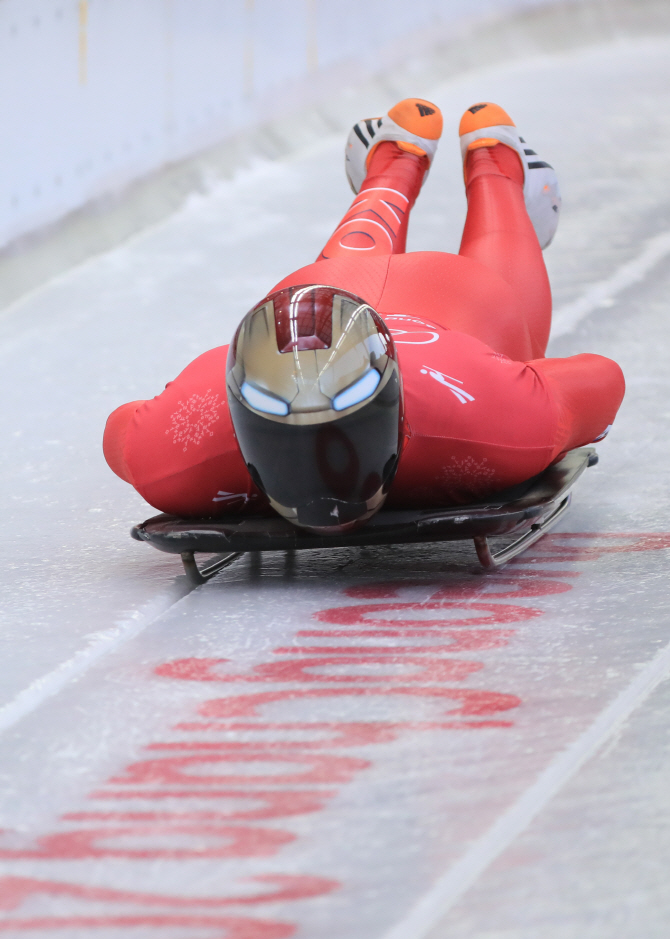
96	93
113	112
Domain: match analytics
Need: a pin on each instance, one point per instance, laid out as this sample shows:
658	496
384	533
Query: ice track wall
113	112
95	93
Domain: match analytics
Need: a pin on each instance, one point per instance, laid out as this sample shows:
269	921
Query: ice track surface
371	744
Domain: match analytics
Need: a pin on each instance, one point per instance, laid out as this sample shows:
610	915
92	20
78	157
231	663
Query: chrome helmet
315	397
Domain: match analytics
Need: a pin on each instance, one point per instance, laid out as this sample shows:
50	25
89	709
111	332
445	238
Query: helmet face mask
315	396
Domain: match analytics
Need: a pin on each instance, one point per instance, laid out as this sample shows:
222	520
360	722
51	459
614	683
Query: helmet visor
315	398
330	475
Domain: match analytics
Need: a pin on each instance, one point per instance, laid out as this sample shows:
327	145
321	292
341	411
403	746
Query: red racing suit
484	409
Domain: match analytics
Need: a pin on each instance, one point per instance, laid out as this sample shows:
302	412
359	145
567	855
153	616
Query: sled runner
528	511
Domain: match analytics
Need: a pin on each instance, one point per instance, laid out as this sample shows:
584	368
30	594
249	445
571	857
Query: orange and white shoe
486	125
414	124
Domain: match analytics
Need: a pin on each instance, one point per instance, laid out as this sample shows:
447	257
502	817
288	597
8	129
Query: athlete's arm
179	449
588	390
114	439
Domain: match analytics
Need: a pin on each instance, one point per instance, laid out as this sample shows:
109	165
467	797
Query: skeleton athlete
375	376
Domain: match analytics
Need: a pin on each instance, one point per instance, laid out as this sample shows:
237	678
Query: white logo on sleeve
223	496
193	419
417	332
414	337
447	380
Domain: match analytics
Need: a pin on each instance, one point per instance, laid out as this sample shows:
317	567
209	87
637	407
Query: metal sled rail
491	561
529	510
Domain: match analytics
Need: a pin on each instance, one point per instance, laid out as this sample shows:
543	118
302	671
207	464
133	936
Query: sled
526	512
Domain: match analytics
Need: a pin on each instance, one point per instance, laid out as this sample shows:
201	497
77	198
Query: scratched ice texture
304	745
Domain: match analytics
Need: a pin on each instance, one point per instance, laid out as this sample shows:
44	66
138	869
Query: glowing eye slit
261	401
359	391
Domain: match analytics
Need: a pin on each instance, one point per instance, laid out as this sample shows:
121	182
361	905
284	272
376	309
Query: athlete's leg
386	161
500	235
376	223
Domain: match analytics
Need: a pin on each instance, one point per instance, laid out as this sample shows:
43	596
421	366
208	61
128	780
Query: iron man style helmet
315	397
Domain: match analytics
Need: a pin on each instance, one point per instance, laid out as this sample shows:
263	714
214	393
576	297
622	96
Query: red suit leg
499	234
376	223
587	389
495	290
